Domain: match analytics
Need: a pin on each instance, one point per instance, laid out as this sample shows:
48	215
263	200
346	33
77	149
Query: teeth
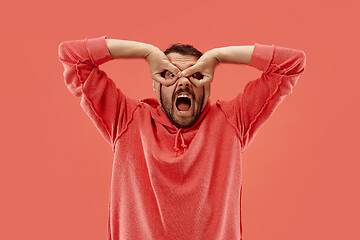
183	95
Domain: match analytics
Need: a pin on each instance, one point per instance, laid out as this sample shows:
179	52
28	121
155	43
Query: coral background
300	173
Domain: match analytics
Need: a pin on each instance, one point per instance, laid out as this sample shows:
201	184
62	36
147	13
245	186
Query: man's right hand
159	63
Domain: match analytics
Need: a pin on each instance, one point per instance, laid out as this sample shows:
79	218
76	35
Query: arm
206	63
157	60
128	49
234	54
103	102
281	69
105	105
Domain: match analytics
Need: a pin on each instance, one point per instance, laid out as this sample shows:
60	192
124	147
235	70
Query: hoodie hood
159	116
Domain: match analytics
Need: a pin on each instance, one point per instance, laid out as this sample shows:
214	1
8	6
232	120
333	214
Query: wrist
215	55
150	49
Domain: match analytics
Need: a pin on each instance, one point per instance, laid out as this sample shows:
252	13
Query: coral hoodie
170	183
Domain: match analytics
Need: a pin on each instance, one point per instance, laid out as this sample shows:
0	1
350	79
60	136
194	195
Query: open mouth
183	103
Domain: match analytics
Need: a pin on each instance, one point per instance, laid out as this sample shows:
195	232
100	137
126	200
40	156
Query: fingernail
179	74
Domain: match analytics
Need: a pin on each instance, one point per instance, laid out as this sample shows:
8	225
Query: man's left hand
204	65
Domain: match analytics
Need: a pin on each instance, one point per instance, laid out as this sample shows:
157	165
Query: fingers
199	83
207	78
197	68
191	70
188	72
166	82
173	69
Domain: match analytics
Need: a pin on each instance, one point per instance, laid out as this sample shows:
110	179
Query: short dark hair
183	49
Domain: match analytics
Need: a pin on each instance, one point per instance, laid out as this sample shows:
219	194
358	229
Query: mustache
182	90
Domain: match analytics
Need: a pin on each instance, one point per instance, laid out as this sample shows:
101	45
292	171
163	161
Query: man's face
182	101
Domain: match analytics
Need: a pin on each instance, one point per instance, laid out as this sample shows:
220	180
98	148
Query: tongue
182	105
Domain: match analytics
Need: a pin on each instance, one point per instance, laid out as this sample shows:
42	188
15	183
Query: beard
171	111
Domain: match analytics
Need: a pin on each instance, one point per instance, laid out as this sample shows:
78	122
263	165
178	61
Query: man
177	158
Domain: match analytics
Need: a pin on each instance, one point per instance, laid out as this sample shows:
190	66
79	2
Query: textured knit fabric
170	183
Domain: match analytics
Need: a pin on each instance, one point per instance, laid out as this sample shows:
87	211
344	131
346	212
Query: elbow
302	60
70	51
290	61
298	63
62	50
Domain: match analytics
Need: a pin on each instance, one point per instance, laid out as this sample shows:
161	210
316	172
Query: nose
184	82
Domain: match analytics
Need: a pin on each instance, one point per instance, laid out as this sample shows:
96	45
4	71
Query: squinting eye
197	75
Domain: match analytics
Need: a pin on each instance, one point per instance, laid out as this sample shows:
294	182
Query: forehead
182	61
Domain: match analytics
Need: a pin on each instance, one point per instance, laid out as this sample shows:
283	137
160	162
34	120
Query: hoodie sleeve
281	69
102	101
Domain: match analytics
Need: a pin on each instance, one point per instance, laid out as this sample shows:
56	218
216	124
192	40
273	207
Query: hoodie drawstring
177	139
